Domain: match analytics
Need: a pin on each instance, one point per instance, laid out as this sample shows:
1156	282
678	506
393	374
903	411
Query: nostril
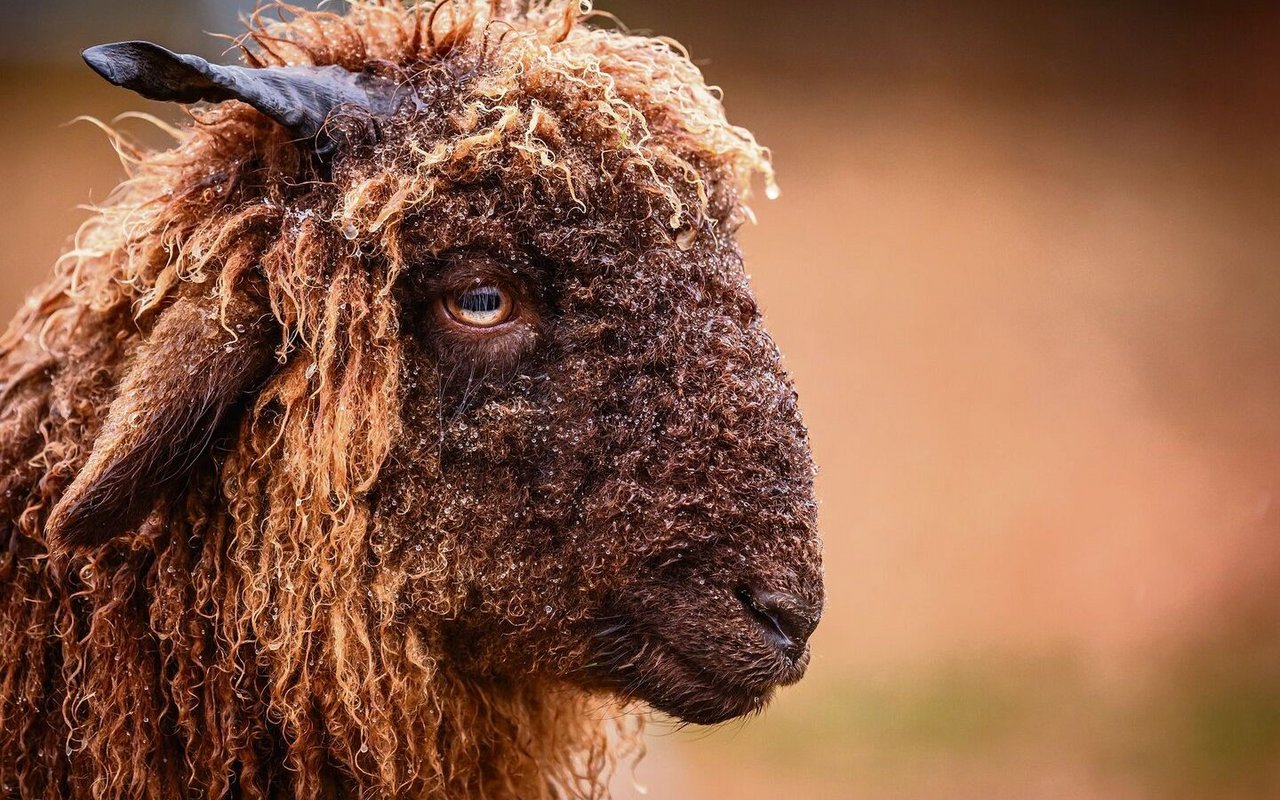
784	618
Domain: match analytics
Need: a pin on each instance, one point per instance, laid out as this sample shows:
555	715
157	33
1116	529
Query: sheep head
491	386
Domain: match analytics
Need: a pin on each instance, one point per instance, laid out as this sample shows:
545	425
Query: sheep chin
691	687
673	685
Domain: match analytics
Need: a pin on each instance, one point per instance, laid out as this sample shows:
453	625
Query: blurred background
1026	270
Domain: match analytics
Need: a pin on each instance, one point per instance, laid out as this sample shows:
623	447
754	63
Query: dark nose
787	621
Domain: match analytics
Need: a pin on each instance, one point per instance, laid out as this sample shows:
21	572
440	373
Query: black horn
299	98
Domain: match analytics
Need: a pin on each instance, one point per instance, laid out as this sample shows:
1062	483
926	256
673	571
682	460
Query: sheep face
604	472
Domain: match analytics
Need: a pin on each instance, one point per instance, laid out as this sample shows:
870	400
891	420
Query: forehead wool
522	88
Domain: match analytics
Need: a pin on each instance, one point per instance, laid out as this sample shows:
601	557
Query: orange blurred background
1026	271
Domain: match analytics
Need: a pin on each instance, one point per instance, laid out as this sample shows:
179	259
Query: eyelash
483	306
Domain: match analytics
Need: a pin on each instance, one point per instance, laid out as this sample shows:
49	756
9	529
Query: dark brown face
605	478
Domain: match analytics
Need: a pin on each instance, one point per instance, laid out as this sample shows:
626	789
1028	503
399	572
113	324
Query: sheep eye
479	306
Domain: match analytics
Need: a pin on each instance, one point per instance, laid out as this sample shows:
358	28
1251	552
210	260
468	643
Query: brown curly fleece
276	525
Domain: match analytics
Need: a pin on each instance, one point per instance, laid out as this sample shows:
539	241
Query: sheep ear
186	378
299	98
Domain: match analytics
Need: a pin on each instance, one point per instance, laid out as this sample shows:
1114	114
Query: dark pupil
484	300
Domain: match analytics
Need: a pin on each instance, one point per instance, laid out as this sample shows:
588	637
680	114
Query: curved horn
299	98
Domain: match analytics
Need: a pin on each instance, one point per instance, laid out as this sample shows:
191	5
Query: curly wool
242	642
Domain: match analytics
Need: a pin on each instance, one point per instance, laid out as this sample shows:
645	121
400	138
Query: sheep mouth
691	687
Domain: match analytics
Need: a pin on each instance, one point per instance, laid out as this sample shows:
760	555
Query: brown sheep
411	404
